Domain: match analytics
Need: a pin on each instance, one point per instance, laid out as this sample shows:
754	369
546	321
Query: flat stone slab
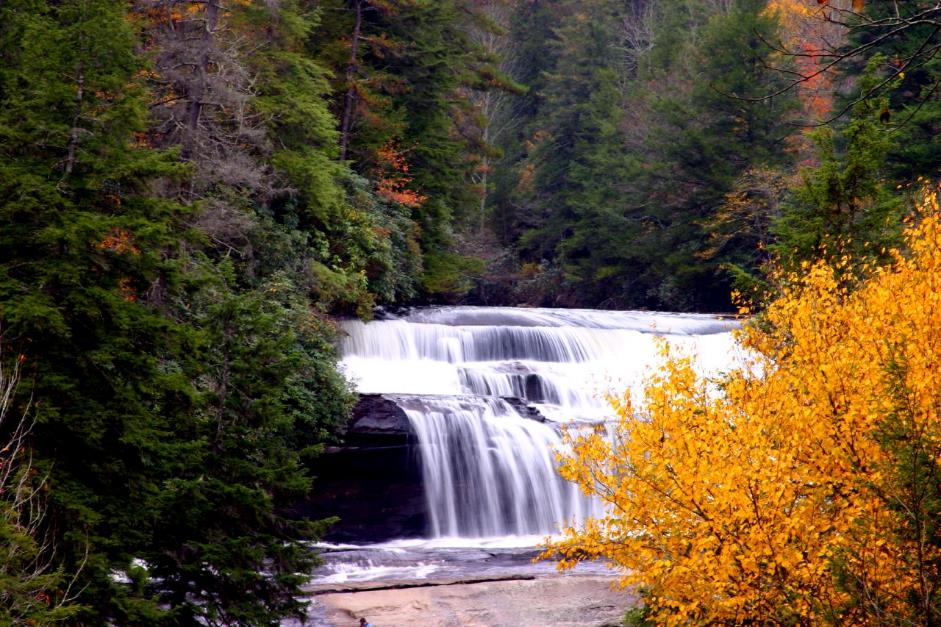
554	601
395	584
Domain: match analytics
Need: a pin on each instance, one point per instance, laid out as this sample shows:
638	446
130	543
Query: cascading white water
488	471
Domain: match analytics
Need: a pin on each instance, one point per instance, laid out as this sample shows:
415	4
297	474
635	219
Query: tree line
666	153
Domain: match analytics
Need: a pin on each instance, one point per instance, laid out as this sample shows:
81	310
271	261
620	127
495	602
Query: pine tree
646	119
362	244
908	57
705	139
531	35
33	590
270	214
83	274
580	164
844	206
401	69
224	551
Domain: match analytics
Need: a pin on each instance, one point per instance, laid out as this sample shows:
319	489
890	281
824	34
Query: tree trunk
485	163
197	92
76	130
350	101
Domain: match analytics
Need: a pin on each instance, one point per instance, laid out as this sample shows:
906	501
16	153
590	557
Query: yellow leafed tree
801	488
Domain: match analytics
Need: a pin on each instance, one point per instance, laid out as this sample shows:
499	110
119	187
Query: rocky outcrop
376	414
524	409
382	414
376	421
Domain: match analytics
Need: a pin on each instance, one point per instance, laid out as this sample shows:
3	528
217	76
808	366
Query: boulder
524	409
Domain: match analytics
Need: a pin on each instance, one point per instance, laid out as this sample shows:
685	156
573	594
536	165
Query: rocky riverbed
444	582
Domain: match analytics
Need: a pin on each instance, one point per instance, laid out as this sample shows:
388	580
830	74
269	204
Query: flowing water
489	472
488	467
562	360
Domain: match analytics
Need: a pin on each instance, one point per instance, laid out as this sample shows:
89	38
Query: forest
193	192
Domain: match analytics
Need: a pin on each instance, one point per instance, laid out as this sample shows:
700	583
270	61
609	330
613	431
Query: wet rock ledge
378	419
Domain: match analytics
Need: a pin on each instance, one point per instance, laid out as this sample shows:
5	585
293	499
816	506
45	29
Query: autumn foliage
393	178
802	487
808	34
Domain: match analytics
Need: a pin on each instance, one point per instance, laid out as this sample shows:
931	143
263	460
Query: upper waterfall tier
643	321
566	360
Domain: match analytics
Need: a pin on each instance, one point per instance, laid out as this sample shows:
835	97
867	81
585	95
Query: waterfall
487	470
490	472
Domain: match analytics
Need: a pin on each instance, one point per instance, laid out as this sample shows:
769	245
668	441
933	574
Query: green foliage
27	596
638	617
575	168
32	589
361	246
393	257
705	141
913	97
627	162
226	555
663	183
182	381
405	96
451	274
844	206
81	245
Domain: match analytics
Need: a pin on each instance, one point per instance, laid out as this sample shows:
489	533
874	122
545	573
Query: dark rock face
377	418
376	492
373	481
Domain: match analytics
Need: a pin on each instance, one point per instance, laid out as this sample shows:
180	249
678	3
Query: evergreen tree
531	26
646	119
704	141
83	274
256	289
580	166
179	374
362	246
844	206
906	38
32	589
224	552
402	69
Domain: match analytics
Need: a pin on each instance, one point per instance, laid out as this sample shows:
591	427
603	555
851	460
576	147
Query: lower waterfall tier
428	466
488	471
